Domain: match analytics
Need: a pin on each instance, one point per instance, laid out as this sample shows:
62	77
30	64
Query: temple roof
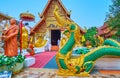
5	16
37	26
102	29
105	30
42	20
105	25
48	4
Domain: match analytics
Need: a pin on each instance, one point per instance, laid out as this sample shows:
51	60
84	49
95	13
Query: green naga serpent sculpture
83	64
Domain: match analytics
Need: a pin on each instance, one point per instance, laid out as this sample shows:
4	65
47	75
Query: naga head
56	8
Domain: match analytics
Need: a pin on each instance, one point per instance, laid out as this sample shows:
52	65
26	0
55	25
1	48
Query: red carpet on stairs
42	59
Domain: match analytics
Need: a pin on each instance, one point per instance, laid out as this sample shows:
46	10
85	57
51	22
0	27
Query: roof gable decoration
43	19
48	4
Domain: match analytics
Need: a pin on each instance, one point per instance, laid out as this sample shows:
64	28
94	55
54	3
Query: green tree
115	8
90	35
113	18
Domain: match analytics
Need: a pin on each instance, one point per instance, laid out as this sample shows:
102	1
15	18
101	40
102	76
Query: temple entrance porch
55	38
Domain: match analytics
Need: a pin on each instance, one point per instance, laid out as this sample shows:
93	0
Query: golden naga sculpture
65	37
101	40
24	38
66	46
61	21
66	23
40	42
69	65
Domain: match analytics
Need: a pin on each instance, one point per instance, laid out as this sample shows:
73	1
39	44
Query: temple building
48	24
5	18
105	31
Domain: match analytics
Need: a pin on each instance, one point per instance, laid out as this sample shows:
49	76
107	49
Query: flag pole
21	24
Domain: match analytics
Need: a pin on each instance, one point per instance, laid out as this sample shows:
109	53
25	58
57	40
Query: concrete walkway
51	73
108	64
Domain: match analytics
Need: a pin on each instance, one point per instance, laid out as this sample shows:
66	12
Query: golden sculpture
101	40
66	23
40	42
61	22
24	38
67	65
64	38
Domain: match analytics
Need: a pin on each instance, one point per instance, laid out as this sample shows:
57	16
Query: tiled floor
104	68
51	73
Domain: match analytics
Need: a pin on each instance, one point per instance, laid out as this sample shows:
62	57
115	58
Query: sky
86	13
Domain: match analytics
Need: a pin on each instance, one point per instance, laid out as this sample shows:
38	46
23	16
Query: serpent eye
70	64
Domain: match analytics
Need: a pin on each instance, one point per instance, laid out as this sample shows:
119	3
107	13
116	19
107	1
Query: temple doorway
55	37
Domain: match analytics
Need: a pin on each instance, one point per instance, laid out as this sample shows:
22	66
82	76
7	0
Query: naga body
83	64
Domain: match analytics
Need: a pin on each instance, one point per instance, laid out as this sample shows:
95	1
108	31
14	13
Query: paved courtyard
104	68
